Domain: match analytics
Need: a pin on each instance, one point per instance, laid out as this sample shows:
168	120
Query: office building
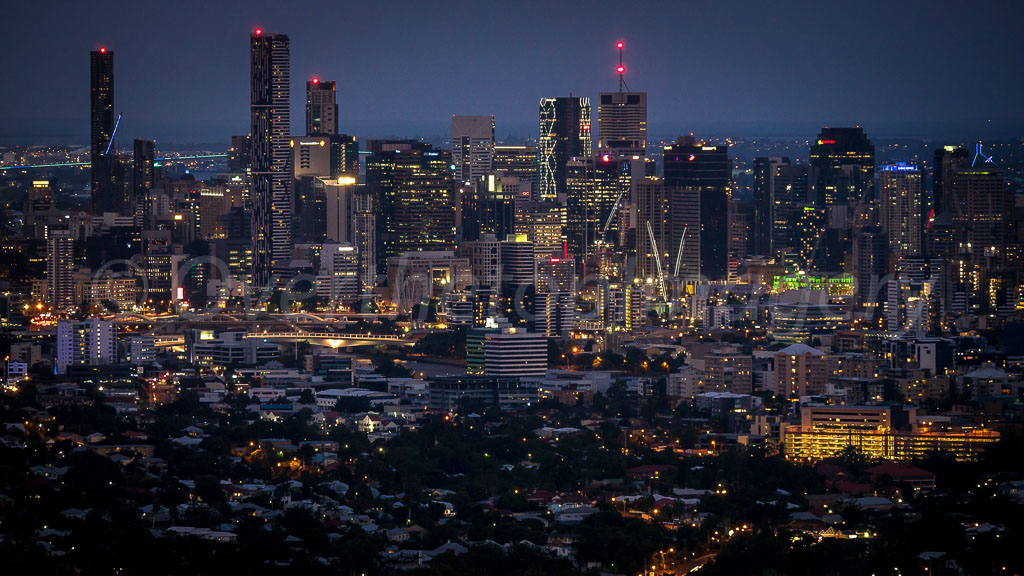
338	279
508	352
101	113
518	279
321	108
653	241
765	170
477	393
885	432
542	223
413	187
564	134
518	161
708	170
843	166
270	78
91	342
622	124
593	189
472	147
489	206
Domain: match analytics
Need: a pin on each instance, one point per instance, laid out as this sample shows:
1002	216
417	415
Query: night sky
936	68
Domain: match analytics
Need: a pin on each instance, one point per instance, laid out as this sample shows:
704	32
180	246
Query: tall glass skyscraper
270	131
101	114
564	135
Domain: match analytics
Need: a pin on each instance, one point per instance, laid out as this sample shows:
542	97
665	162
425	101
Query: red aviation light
620	69
619	45
259	31
103	50
316	80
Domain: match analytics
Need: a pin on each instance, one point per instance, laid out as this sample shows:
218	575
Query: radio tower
621	70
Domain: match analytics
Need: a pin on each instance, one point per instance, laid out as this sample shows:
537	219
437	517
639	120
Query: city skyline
708	71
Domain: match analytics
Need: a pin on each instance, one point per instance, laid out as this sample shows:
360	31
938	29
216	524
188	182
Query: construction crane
611	215
657	261
679	254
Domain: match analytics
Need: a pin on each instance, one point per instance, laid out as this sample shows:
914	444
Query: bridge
332	339
73	164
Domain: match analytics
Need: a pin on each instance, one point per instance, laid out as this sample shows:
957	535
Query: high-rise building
60	269
870	266
981	208
101	114
240	154
741	231
564	135
91	342
344	155
707	169
843	165
338	279
472	147
489	207
788	194
901	202
270	78
542	223
321	108
622	124
518	278
946	160
593	187
507	352
519	161
143	176
413	184
982	224
765	170
654	220
555	303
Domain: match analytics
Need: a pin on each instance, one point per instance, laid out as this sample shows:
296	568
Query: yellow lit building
875	431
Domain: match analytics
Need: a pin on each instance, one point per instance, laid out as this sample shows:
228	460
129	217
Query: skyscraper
707	169
271	126
947	159
472	147
592	188
413	184
60	269
142	178
653	210
622	124
765	170
489	207
101	113
900	199
321	108
564	135
519	161
843	162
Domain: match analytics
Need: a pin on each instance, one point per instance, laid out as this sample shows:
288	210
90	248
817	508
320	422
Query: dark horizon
941	70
